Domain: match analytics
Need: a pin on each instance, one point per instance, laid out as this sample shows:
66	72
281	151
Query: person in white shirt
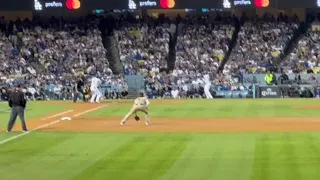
96	94
207	86
32	90
57	91
175	93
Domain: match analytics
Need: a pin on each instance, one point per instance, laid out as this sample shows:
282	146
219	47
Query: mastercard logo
261	3
73	4
167	4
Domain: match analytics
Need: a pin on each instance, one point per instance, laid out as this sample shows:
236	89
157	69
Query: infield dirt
111	124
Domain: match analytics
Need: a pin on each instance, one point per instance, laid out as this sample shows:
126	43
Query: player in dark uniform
77	88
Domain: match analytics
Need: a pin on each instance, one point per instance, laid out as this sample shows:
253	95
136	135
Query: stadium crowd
260	44
305	57
143	47
50	58
200	49
54	54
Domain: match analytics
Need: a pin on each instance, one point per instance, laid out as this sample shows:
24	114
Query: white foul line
14	137
49	124
56	115
90	110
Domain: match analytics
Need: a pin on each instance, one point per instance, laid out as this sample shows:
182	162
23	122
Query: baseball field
187	139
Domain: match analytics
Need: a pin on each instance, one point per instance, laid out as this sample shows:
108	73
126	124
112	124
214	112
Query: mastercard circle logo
167	4
261	3
73	4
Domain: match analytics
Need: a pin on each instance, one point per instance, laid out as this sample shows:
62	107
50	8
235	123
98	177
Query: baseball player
140	104
207	86
96	94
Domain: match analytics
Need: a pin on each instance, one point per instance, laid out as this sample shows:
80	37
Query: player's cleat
121	124
98	102
25	131
147	124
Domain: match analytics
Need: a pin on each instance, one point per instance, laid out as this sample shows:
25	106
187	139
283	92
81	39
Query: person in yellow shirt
268	78
140	105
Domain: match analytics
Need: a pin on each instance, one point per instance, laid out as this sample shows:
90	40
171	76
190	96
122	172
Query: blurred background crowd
48	57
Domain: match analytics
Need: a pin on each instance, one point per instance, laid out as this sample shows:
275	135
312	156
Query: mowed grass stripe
220	109
144	157
292	159
291	156
309	155
69	155
13	155
215	156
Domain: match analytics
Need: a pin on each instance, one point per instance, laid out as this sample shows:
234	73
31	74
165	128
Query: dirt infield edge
111	124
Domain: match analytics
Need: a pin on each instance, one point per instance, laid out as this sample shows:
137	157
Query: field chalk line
88	111
51	123
56	115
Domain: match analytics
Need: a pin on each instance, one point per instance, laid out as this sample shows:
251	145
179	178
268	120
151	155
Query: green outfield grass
221	108
175	156
34	110
167	156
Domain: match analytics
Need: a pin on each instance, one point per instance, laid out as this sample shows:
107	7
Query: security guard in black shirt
17	103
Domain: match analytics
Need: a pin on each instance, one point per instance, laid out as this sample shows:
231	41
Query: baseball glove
137	118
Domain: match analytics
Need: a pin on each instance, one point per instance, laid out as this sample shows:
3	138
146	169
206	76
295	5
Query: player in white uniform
207	86
96	94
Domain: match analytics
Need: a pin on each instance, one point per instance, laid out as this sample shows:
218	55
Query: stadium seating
260	44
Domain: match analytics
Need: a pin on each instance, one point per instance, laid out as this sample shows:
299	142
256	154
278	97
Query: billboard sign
53	4
269	92
242	3
40	5
90	5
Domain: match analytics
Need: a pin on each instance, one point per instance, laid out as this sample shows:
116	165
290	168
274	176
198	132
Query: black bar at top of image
298	3
16	5
105	4
199	3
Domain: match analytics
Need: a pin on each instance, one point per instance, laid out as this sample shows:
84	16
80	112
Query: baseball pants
76	95
207	91
136	109
96	95
17	111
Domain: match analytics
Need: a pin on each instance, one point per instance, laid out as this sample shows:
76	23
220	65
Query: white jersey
95	82
206	79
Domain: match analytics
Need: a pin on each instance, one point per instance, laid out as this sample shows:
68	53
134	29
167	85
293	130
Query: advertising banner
178	4
254	3
198	4
269	92
89	5
242	3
